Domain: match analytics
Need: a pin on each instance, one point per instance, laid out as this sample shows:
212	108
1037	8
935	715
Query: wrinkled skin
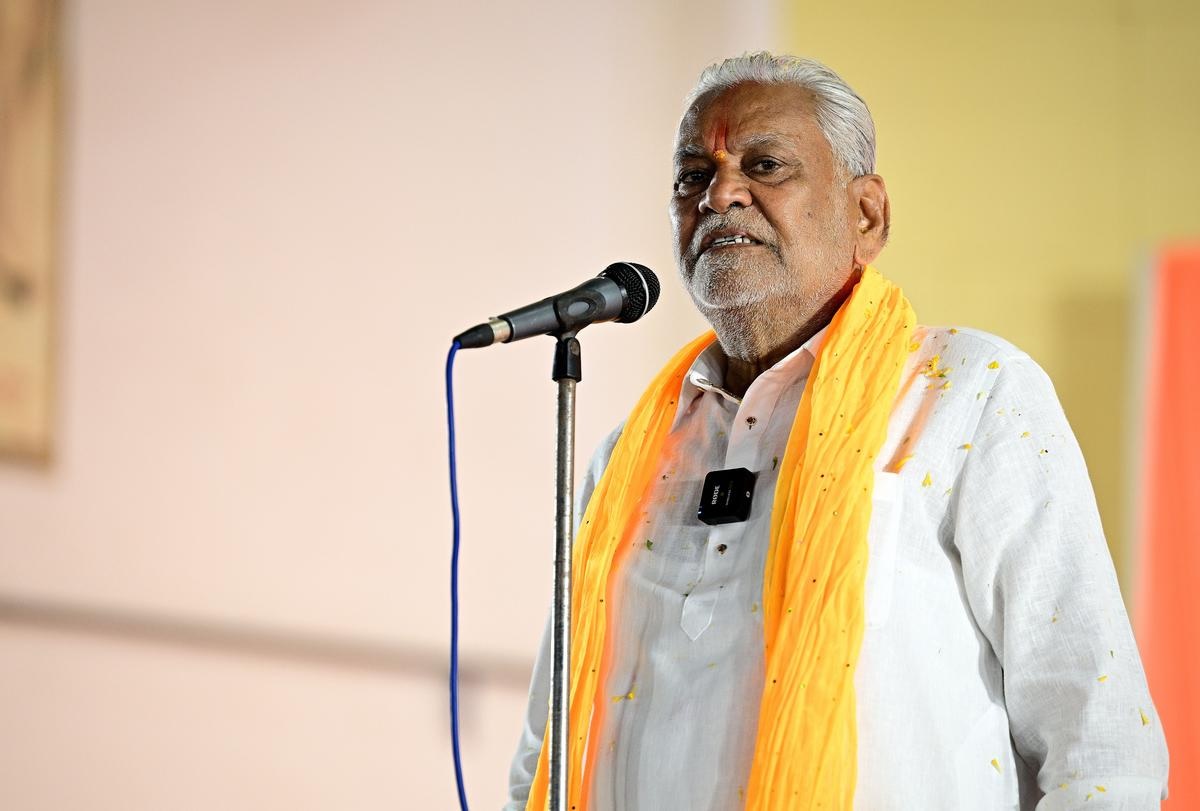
752	161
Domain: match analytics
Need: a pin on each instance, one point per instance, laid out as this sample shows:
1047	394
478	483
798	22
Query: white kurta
997	664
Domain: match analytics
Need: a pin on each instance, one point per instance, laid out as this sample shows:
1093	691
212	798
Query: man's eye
690	179
766	165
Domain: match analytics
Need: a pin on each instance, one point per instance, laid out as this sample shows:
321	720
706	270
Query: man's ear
874	218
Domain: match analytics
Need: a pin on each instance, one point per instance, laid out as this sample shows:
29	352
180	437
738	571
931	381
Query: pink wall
228	591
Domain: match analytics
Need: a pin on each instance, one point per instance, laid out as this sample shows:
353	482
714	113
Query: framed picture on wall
29	77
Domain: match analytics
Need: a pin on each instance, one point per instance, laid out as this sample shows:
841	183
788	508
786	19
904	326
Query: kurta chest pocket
883	535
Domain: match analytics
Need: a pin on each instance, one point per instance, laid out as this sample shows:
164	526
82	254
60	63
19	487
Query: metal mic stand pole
568	370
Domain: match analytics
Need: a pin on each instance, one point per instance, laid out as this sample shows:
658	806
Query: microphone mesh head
640	286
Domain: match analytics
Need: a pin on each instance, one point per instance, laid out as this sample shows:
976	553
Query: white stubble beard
733	292
738	295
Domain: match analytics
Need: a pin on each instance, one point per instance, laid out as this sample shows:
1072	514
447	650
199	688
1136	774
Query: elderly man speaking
834	559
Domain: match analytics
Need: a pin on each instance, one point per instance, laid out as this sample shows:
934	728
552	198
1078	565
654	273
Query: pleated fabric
805	754
814	581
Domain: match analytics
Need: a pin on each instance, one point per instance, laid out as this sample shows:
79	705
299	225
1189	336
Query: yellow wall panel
1035	154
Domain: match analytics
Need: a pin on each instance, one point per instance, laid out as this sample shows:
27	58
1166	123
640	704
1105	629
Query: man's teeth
735	240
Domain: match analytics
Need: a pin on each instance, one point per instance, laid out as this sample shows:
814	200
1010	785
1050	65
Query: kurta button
721	549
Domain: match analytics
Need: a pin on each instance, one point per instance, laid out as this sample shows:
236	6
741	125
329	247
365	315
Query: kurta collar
707	373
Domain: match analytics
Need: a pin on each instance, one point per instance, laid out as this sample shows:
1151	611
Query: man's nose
727	189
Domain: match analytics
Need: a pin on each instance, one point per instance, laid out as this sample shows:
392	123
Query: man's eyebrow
758	141
690	151
764	139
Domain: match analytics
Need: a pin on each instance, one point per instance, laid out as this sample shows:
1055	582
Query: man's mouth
728	241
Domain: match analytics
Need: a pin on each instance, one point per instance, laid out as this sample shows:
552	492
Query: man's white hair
841	113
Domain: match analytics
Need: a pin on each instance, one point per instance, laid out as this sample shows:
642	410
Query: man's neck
755	339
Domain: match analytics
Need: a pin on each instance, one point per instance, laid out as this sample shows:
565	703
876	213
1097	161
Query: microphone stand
568	370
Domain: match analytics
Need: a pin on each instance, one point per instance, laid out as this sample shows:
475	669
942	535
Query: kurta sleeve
1040	582
537	712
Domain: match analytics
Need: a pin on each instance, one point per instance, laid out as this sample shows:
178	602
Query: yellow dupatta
814	580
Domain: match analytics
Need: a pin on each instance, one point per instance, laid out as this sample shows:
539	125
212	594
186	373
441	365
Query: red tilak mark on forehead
717	136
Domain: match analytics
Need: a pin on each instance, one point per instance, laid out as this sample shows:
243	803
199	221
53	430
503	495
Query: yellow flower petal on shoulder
994	364
928	480
996	765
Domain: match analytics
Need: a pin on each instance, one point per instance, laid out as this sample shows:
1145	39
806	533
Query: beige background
230	589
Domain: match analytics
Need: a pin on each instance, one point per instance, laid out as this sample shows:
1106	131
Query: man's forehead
747	116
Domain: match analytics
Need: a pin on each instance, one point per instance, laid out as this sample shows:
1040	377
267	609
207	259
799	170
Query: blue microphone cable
458	771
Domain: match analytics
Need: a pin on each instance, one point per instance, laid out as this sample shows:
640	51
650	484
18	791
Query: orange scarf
806	750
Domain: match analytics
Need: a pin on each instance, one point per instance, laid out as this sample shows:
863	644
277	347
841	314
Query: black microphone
623	292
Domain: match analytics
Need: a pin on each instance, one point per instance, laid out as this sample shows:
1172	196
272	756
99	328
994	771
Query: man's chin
725	297
723	285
